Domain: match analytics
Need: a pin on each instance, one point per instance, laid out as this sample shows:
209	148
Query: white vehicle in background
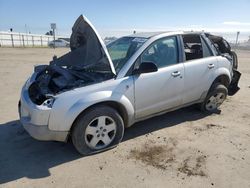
58	43
94	92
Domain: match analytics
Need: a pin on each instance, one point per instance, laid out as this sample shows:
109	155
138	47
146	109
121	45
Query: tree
49	33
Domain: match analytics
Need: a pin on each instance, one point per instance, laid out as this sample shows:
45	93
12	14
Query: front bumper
42	132
35	118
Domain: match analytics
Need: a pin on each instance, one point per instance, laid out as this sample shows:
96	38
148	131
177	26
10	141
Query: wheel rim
100	132
215	101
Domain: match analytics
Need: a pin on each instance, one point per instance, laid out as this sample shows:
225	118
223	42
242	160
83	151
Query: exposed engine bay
86	64
52	79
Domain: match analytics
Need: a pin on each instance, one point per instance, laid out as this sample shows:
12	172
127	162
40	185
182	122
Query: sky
117	18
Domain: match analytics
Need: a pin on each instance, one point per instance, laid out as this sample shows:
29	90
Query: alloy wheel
100	132
215	101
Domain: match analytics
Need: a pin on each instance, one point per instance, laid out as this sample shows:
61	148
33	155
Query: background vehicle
58	43
92	93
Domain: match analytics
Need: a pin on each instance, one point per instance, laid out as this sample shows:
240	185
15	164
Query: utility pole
53	27
26	30
237	38
11	35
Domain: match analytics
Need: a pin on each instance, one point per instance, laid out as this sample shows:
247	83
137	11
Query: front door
161	90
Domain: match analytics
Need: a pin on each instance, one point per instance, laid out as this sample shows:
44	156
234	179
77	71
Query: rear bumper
233	87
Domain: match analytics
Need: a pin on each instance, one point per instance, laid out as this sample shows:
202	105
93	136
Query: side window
162	52
194	47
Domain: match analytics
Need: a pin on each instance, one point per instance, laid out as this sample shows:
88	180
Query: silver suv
95	91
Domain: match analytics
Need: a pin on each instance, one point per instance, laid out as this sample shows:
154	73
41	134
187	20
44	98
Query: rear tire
98	129
215	98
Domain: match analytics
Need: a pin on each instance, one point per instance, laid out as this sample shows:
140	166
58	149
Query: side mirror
146	67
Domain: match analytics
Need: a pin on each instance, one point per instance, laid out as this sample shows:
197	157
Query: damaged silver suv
95	91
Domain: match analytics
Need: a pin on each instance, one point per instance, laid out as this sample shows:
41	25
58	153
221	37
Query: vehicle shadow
169	119
22	156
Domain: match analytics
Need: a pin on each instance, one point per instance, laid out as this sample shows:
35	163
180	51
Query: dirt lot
184	148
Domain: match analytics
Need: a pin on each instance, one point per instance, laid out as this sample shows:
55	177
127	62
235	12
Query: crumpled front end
35	118
87	63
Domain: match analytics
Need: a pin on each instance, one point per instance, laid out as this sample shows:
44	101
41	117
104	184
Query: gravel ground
184	148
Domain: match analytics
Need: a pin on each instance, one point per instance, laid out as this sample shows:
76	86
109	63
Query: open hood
87	63
87	49
84	34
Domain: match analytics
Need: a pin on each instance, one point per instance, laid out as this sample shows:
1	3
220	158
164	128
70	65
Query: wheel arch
223	79
121	109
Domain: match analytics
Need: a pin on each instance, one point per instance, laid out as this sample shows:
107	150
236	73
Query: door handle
210	66
176	73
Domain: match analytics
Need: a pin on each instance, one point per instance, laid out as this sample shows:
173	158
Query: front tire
215	98
98	129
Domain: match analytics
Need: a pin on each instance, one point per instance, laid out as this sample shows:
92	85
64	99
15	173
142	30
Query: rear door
199	67
161	90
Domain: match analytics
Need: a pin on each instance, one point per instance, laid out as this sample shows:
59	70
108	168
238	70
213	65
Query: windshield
122	49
